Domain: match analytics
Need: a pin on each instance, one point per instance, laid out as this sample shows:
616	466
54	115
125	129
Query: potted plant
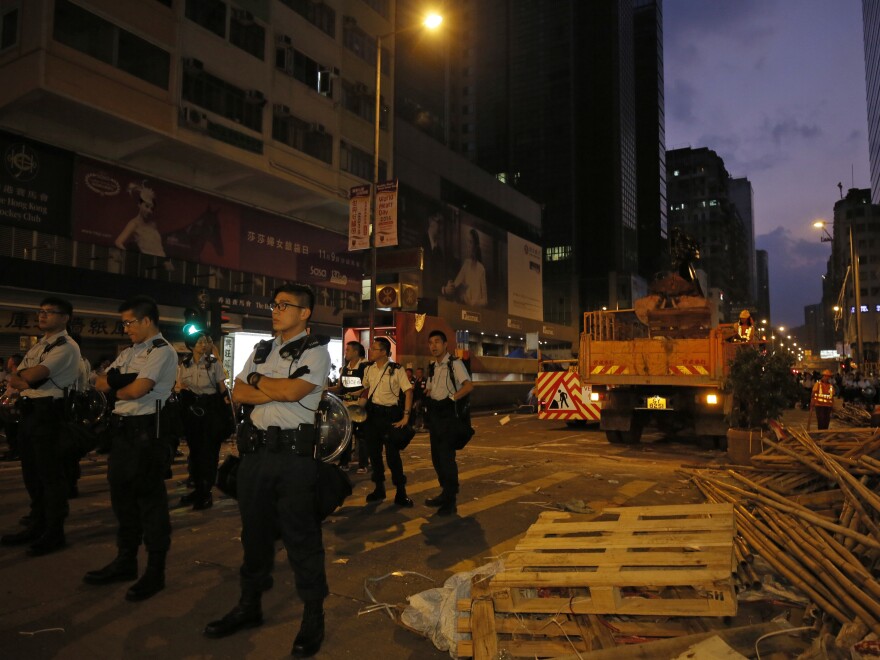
761	386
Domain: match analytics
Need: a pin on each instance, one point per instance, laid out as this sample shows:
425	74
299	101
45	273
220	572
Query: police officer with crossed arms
283	380
141	379
50	367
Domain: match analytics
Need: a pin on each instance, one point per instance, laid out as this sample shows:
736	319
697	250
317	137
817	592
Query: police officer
351	382
49	368
202	392
283	380
141	379
384	381
448	382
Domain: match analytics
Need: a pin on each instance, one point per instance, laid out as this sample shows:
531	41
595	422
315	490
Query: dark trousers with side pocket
442	424
136	472
276	492
379	420
44	462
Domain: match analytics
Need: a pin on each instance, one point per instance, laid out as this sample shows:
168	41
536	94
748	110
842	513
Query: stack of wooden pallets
656	561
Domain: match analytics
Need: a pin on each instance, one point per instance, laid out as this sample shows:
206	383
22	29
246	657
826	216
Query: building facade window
318	14
358	162
302	68
210	14
557	253
224	99
357	99
90	34
247	34
311	139
379	6
362	44
9	29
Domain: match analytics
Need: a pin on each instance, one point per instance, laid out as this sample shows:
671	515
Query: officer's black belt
41	404
300	440
132	421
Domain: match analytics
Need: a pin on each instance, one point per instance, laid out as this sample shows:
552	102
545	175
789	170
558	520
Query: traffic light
193	323
219	317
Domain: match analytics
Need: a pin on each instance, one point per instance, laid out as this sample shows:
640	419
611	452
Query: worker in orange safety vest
822	400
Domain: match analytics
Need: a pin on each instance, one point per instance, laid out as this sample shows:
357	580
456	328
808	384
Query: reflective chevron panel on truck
560	396
609	370
688	370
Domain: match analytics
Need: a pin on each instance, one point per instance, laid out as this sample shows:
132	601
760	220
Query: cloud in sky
777	89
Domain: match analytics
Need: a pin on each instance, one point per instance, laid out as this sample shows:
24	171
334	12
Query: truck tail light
712	399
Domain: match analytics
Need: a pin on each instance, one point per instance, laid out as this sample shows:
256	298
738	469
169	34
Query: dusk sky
777	89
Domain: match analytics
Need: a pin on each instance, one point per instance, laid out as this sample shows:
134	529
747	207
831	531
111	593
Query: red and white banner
386	214
561	396
359	218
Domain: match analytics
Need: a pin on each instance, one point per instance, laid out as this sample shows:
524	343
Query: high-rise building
700	205
650	138
543	96
743	197
871	21
762	271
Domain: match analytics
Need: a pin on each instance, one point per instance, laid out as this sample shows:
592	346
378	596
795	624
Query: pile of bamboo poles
808	506
852	414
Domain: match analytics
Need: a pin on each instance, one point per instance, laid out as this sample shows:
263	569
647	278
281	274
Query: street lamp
430	22
857	287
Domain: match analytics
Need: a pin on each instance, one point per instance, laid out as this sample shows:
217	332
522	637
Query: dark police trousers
136	472
379	420
44	460
441	427
204	435
276	492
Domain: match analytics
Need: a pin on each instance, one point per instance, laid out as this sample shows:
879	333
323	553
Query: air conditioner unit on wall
317	128
280	110
255	96
192	65
283	41
242	16
361	88
192	118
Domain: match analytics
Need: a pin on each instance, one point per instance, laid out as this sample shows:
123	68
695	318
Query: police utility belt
132	422
40	404
300	440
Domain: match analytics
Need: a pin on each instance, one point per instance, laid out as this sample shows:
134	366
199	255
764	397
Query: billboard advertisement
116	207
35	186
525	295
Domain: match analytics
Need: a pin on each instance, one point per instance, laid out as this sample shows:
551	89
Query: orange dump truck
667	368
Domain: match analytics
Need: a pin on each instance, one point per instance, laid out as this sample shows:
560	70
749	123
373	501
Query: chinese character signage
35	186
25	323
386	214
359	218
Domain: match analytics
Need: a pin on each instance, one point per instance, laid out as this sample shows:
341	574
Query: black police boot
50	541
247	614
447	508
377	495
27	535
152	581
401	498
122	569
203	500
311	632
189	498
438	501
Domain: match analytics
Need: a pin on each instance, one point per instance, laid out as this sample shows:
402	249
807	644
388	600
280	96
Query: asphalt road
509	474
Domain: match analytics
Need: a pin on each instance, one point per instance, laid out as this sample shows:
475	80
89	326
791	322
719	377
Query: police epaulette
159	343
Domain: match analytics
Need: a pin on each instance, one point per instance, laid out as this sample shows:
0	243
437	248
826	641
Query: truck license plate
656	403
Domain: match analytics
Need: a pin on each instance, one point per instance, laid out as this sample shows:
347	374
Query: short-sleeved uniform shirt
200	377
440	384
61	359
383	386
154	359
289	414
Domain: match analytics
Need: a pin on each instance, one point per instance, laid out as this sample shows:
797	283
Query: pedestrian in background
822	400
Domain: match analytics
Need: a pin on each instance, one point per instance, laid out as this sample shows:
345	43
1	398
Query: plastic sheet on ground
433	614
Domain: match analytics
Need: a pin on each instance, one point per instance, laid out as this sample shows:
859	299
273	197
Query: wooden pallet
658	561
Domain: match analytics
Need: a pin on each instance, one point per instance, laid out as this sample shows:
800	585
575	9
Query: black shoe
188	499
203	502
24	536
48	542
121	569
308	639
440	500
447	509
401	499
238	618
376	496
152	582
